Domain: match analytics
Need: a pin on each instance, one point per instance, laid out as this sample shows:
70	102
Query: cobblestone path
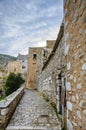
34	113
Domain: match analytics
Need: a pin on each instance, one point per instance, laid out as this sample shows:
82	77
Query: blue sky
28	23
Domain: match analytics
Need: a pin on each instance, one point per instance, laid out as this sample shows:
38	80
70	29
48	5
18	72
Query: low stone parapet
8	105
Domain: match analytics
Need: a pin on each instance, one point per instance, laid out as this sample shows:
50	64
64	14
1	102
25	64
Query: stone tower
33	63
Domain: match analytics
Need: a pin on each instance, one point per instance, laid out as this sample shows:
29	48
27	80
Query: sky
28	23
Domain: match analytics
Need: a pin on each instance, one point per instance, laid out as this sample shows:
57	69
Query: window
14	69
23	67
34	56
45	53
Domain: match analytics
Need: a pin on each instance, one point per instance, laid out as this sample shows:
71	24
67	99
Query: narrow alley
34	113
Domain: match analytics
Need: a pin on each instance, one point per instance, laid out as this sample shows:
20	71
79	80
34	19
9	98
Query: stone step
31	128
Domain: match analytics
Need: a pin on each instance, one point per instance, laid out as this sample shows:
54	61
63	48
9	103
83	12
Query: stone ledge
8	105
32	128
6	102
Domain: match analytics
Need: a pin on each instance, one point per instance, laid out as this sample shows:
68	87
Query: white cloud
53	32
11	30
41	43
28	23
49	12
31	7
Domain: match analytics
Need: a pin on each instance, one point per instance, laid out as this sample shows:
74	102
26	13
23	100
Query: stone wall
8	105
75	52
48	77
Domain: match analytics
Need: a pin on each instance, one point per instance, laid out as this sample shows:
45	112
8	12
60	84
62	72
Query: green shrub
13	82
1	98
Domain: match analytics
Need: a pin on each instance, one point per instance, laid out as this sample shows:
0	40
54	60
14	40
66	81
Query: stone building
13	66
47	50
33	60
23	59
62	78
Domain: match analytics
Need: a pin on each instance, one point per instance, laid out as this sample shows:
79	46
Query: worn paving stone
34	112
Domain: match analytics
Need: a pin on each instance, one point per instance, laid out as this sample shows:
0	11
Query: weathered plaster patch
74	79
84	95
73	98
69	106
66	23
84	66
66	49
49	78
79	86
68	86
76	55
75	124
79	115
68	66
81	102
69	125
65	12
66	36
67	113
84	112
57	96
77	97
71	77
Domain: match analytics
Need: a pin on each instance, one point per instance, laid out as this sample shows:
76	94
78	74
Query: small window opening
34	56
14	69
45	53
23	67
